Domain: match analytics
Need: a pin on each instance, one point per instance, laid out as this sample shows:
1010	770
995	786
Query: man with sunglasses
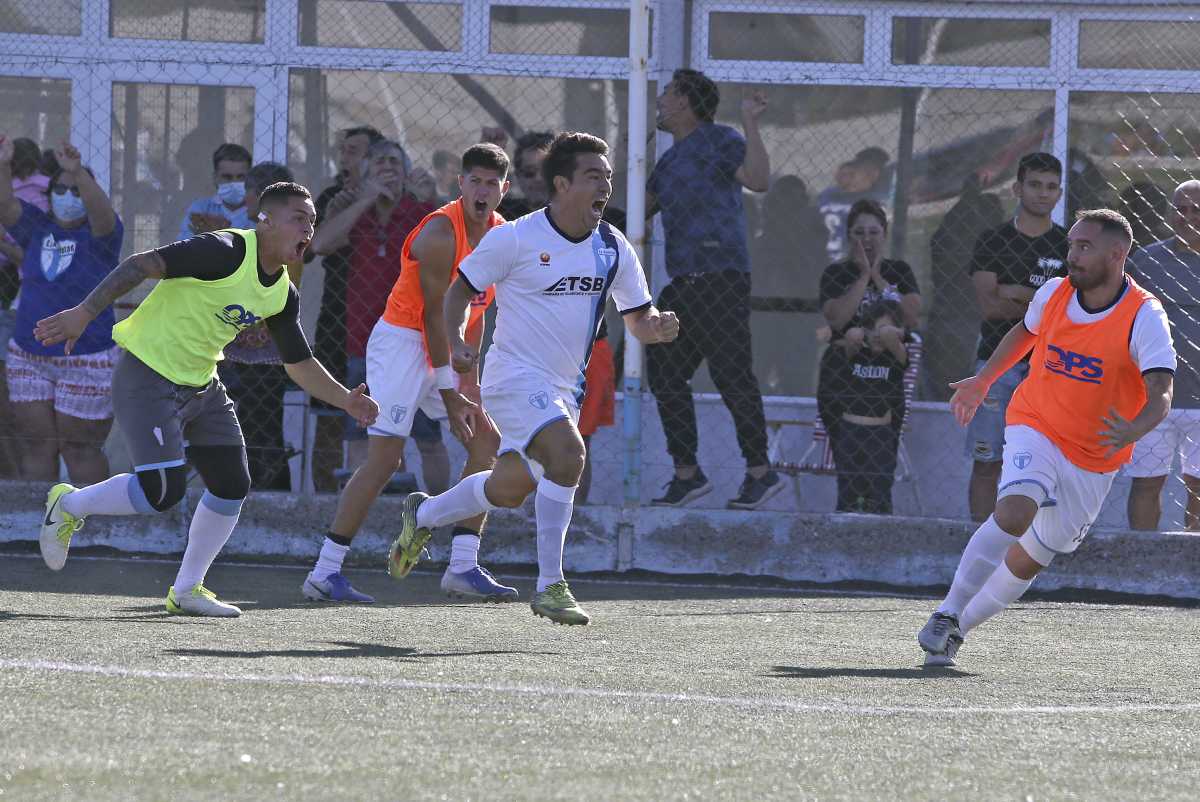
1171	270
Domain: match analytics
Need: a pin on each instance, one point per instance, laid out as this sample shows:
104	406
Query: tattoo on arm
127	275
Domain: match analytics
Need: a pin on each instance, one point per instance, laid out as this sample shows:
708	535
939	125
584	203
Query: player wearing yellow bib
167	399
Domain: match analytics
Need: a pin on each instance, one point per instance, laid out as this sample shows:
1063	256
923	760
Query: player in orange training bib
1101	376
408	368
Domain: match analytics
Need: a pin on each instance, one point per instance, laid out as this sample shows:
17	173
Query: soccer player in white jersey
553	271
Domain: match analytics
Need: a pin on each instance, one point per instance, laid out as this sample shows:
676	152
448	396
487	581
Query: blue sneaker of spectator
333	588
477	583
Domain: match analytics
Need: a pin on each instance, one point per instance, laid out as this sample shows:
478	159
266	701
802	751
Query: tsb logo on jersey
1075	366
576	285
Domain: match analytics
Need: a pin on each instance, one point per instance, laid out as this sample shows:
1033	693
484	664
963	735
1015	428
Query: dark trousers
714	325
865	457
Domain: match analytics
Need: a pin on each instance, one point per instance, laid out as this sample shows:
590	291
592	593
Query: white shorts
1068	497
1155	453
400	379
523	405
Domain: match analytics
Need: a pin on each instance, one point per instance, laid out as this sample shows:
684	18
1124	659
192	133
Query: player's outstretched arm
970	392
66	326
652	326
311	376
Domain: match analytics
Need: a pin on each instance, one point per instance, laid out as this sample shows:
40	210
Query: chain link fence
838	225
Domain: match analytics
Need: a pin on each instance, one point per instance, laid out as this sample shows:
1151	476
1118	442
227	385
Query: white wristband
445	378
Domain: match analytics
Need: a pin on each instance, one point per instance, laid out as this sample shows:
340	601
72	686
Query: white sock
211	526
329	561
1002	589
465	500
985	550
464	553
118	495
553	505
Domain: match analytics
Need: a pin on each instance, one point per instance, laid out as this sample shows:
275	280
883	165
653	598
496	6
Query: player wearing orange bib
408	368
1101	376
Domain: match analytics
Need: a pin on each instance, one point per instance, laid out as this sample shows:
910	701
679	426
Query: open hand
968	395
66	326
361	406
1119	433
462	414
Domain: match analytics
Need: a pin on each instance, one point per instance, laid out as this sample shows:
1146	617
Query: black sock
462	530
338	539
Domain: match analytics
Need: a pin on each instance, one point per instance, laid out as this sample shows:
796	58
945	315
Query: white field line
645	583
650	697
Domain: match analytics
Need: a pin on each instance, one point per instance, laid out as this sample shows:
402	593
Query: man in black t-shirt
1010	263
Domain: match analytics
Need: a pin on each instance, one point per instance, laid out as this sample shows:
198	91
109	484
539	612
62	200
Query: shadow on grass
768	613
802	672
349	649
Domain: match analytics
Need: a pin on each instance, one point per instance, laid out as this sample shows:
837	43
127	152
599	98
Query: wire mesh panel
852	203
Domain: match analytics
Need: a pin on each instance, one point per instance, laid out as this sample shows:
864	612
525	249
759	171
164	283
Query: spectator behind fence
62	402
953	309
374	224
867	438
31	184
789	252
422	185
848	288
253	370
226	209
1009	264
445	173
864	177
1144	205
528	155
1171	270
329	341
697	185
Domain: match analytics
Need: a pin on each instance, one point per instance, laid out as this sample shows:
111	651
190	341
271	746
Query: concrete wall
897	551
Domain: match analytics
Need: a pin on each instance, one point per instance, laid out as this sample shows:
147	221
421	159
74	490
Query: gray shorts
160	418
985	432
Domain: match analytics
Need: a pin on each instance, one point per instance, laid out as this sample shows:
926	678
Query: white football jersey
550	295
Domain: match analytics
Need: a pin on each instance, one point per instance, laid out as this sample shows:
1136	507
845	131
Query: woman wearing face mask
850	286
62	404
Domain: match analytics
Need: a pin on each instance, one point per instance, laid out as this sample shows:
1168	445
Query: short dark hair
280	191
872	155
1039	163
487	156
381	144
1109	221
231	152
27	158
866	206
532	140
369	131
442	159
563	150
701	93
264	174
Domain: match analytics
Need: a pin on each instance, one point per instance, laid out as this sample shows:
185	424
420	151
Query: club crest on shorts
1022	459
398	413
540	399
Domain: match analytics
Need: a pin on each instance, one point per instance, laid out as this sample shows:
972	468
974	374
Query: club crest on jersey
540	399
608	256
1022	459
1081	368
544	258
398	413
56	256
237	316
